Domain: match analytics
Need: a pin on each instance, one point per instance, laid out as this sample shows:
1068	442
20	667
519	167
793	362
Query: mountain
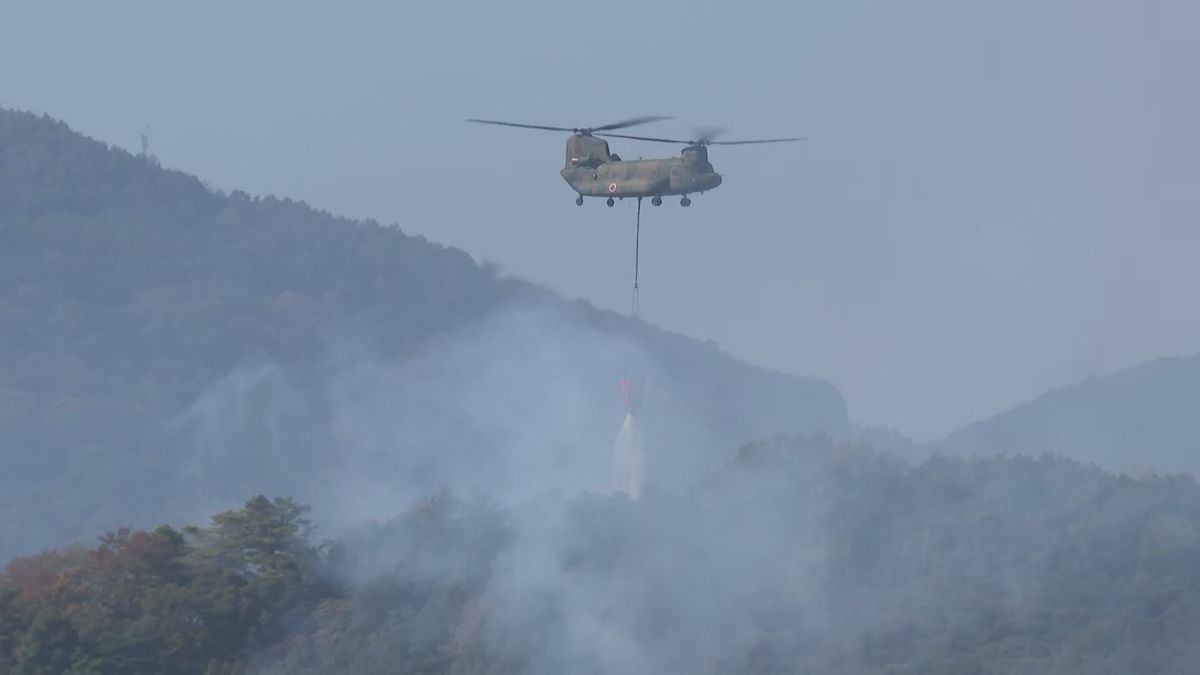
1142	419
167	350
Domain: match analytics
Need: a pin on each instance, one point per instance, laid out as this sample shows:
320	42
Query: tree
259	568
50	646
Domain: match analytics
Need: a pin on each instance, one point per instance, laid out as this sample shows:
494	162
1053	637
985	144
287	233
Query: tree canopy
799	556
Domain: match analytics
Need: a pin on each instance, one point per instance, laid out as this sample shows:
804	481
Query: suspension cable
637	245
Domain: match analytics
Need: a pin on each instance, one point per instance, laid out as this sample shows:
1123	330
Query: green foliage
50	645
265	547
799	557
157	602
412	586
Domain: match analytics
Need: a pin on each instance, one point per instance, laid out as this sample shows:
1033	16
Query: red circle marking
612	187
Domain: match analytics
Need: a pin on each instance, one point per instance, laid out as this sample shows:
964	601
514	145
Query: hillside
167	350
799	556
1142	419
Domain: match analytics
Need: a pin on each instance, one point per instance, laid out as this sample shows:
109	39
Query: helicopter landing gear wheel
657	201
610	201
579	200
685	202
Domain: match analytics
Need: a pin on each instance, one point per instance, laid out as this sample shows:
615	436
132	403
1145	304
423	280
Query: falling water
629	464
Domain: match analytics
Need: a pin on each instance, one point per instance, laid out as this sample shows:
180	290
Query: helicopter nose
716	179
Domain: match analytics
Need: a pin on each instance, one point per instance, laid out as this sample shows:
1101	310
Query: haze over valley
300	373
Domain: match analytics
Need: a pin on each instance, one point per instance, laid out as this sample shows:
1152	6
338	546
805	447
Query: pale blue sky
996	198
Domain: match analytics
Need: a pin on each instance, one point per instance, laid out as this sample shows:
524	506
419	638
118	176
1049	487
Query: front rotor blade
523	126
647	138
631	122
761	140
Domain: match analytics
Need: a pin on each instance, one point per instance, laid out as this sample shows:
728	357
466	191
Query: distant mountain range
167	349
1145	419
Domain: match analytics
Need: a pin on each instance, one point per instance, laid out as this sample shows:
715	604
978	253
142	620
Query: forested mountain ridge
798	556
159	338
1142	419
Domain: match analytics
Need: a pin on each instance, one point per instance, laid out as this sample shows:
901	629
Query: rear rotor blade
523	126
761	140
705	139
706	135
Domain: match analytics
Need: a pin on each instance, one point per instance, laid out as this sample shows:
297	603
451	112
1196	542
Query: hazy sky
997	198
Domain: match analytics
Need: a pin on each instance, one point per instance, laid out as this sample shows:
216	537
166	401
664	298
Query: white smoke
512	405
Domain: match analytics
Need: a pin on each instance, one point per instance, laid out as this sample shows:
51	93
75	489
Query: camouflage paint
592	171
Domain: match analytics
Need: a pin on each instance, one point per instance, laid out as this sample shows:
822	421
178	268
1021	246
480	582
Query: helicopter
593	171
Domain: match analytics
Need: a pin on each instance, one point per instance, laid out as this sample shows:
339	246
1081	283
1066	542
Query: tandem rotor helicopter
593	171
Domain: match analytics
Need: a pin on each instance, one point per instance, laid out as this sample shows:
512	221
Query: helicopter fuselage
641	178
592	171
